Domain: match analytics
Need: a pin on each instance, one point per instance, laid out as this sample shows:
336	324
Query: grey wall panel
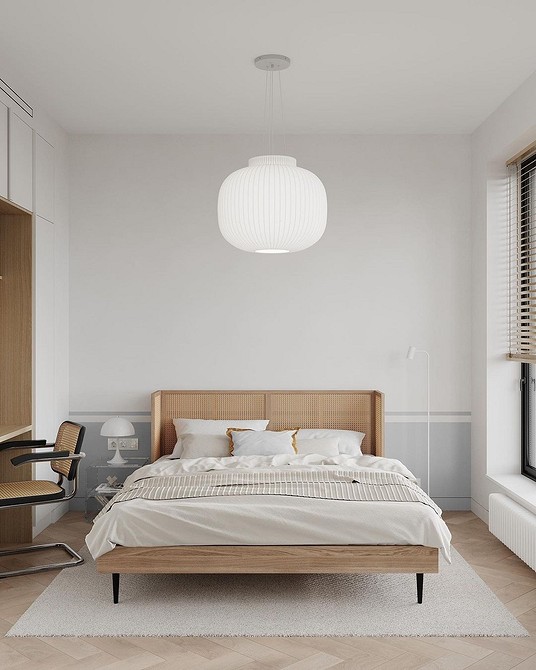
406	441
450	461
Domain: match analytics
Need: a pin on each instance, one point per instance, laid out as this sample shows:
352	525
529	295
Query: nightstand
103	480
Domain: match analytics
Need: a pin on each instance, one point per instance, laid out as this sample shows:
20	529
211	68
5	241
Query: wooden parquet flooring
512	581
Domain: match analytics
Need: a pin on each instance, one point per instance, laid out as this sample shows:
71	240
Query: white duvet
266	519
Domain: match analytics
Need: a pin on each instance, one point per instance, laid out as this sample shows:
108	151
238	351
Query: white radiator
515	527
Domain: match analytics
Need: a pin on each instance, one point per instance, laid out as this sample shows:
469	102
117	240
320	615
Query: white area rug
456	603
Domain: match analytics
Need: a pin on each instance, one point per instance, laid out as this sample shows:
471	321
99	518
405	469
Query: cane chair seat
24	493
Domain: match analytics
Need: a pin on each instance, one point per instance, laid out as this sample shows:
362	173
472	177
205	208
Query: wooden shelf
8	207
8	432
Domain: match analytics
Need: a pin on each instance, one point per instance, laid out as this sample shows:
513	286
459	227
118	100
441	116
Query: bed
240	550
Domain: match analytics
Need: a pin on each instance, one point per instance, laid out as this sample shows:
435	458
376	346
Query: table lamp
117	427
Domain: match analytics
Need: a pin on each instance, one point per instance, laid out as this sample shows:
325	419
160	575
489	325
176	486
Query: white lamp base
117	459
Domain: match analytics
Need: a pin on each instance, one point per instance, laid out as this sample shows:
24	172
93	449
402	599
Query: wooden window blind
522	251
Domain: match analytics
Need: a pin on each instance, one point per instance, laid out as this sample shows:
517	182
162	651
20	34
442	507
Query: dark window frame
527	392
527	382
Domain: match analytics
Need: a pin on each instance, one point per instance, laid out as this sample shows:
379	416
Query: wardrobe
26	299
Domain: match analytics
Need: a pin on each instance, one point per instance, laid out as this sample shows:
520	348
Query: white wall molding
435	417
49	514
101	417
390	417
480	511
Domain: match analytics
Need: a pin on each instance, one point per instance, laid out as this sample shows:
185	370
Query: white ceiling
186	66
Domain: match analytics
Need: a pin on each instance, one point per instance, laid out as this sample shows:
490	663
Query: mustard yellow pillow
262	442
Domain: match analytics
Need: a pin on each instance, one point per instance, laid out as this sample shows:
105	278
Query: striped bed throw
328	485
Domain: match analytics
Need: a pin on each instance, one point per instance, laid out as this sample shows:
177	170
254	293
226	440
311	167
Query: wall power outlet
126	443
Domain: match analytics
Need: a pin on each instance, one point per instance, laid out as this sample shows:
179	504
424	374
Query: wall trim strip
6	88
390	417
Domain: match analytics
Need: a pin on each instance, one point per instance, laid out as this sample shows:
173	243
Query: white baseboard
51	516
481	512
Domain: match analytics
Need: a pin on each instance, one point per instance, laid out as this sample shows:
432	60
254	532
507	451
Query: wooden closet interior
15	357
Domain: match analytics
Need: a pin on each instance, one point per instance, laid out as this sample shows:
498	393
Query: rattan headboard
351	410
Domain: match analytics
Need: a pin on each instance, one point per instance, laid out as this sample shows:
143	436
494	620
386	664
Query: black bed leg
115	586
420	581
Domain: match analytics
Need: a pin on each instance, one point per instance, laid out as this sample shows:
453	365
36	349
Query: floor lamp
411	355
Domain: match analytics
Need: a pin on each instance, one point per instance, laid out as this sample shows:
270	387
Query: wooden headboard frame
351	410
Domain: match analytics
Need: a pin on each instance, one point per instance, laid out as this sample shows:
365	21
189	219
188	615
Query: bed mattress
266	519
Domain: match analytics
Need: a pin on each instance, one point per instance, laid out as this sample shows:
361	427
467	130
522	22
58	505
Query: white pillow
204	446
262	442
211	427
325	446
349	440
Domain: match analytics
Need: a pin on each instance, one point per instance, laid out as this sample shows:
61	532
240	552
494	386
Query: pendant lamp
272	206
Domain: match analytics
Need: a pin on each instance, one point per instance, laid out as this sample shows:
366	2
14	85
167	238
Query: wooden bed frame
351	410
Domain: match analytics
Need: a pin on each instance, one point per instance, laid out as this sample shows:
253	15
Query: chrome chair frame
39	458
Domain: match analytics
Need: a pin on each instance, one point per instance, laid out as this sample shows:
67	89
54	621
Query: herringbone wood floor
513	582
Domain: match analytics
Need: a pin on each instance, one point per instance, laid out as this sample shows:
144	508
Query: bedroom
408	113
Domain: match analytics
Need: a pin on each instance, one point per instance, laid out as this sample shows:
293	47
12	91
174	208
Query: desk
12	431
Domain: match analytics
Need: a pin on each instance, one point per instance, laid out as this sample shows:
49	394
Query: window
522	296
528	420
522	251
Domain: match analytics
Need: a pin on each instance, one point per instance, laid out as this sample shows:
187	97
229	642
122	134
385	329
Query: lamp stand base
117	459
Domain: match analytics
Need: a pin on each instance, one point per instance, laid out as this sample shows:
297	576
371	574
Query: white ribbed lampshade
272	206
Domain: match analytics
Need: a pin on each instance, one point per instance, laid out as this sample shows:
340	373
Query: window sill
519	488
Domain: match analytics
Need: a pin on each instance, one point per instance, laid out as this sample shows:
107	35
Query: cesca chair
64	458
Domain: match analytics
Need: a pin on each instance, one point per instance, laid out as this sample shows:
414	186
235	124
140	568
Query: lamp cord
269	107
284	137
271	143
266	123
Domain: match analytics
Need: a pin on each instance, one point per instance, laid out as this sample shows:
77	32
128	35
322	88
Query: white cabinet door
3	150
44	178
20	162
44	341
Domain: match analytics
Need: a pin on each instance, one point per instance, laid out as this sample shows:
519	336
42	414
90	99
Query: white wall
160	300
496	409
